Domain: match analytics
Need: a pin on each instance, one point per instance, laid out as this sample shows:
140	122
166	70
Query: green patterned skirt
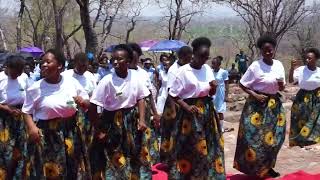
61	153
12	146
126	155
305	119
261	134
198	143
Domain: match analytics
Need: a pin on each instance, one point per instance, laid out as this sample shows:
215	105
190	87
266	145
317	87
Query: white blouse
192	83
48	101
114	93
172	73
87	80
262	77
13	91
307	79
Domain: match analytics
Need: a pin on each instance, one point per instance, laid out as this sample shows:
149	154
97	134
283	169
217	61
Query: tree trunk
58	19
89	33
20	15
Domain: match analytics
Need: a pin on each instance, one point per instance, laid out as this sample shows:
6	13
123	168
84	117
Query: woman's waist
57	123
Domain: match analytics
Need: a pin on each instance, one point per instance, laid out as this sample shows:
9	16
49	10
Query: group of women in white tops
65	126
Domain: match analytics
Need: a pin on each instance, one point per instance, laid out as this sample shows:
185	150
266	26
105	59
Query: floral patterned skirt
12	146
125	152
151	134
198	144
305	119
167	130
261	134
61	153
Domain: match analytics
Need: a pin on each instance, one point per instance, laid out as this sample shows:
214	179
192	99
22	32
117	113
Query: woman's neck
311	67
122	75
195	65
268	61
54	79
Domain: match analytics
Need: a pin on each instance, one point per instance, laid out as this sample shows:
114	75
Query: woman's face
81	66
215	64
166	65
268	51
203	54
13	73
120	62
311	59
50	66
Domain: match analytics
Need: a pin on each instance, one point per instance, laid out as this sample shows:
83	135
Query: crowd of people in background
115	116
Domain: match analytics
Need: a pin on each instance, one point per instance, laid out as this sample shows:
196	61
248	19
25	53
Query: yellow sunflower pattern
256	119
305	131
218	166
184	166
148	134
144	154
52	170
318	93
272	103
3	174
200	106
27	169
250	155
186	127
202	147
306	98
221	142
169	113
4	135
167	145
281	119
69	145
269	138
118	118
118	160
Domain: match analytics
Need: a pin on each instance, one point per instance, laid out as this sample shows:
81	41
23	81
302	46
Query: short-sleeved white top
172	72
114	93
262	77
192	83
144	76
48	101
13	91
307	79
87	80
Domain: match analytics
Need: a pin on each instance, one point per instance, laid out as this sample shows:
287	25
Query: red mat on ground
300	175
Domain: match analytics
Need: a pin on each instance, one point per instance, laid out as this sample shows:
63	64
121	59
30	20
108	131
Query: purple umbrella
146	45
167	45
35	51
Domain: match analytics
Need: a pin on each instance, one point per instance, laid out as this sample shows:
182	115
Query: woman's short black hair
135	47
267	38
58	56
184	50
200	41
124	47
315	51
80	57
15	62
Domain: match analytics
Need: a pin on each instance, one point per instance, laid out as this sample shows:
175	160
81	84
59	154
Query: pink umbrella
146	45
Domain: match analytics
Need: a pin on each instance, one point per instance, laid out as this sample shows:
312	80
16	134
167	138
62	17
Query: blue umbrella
110	48
168	45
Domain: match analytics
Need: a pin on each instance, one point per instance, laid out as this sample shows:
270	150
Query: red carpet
300	175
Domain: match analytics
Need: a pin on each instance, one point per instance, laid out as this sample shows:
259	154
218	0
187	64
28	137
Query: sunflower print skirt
60	154
261	134
12	146
151	134
167	130
198	144
126	154
305	119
